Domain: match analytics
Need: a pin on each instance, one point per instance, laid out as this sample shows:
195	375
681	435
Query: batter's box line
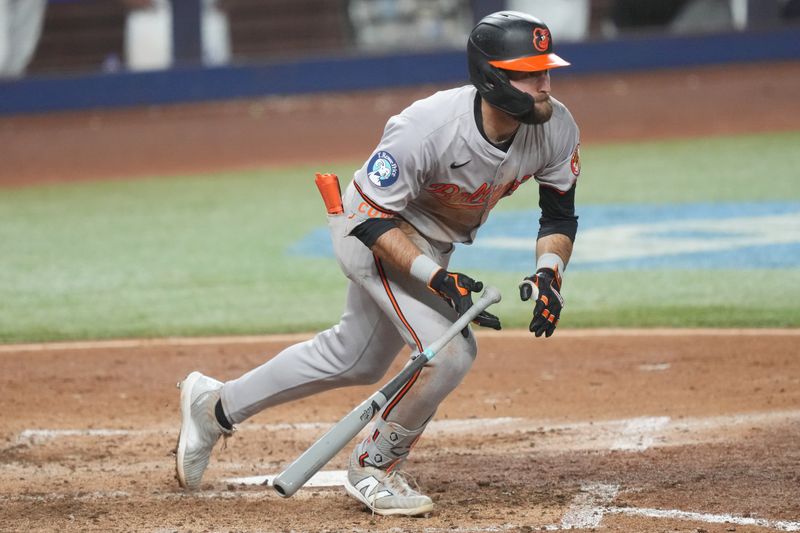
674	514
34	436
590	506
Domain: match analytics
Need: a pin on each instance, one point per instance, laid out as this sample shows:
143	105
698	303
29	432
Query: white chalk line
37	436
625	435
637	435
588	508
654	367
299	337
32	435
780	525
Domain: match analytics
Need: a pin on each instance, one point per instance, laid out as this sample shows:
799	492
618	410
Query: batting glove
456	289
549	303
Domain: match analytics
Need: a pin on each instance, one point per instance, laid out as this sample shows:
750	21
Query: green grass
668	298
747	167
169	256
205	255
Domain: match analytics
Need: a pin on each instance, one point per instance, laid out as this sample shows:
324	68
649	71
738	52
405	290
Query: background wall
104	54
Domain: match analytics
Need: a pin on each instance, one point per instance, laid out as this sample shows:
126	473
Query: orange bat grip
328	185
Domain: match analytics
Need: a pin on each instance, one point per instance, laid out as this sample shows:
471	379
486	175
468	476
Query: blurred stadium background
157	158
84	36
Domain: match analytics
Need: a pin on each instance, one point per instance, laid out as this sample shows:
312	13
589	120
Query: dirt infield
670	432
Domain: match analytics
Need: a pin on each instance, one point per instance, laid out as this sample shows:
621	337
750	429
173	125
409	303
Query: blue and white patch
382	169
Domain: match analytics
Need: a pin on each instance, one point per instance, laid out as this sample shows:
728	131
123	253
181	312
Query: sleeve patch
382	169
575	164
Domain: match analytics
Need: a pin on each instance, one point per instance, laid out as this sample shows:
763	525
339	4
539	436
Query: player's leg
358	350
421	317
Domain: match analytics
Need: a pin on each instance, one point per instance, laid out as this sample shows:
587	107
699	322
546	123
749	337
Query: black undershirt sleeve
558	212
372	228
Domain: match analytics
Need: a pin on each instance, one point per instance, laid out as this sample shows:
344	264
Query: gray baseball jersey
434	168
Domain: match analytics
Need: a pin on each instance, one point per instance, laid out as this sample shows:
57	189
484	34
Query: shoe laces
397	481
226	434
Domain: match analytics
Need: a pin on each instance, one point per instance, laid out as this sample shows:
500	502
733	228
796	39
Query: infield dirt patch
698	423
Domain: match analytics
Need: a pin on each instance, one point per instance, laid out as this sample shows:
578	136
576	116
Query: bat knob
492	294
286	490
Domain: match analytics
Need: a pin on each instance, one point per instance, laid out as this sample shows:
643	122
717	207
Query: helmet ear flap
489	78
498	91
497	75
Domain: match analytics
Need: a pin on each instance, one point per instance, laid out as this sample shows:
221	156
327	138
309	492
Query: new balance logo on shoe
367	487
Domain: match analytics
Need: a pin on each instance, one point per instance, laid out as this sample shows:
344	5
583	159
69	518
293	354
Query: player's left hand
547	284
456	289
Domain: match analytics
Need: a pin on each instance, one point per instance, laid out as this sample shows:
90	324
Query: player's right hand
456	289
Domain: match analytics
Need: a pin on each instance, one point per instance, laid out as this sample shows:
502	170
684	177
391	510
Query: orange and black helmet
509	40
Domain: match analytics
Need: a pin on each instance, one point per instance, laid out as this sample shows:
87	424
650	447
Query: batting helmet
509	40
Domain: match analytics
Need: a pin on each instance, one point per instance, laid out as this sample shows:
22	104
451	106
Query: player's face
536	84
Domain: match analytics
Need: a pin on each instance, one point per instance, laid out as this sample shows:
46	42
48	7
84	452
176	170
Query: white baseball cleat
385	493
200	430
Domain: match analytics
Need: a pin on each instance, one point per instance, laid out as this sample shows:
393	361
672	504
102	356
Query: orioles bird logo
541	39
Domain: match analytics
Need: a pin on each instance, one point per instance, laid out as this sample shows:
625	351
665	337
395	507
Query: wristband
551	260
423	268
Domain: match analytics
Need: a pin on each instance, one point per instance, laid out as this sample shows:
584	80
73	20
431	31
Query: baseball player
440	167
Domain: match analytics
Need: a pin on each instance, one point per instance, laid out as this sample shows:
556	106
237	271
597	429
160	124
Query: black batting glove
456	289
548	305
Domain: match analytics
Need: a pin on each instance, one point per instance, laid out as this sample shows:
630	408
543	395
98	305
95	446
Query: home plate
326	478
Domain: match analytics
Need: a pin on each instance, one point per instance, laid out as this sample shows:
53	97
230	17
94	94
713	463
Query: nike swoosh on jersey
453	164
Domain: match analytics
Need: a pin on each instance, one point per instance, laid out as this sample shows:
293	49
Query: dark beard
537	114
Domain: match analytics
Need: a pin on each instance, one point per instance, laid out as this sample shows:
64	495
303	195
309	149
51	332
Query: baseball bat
337	437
